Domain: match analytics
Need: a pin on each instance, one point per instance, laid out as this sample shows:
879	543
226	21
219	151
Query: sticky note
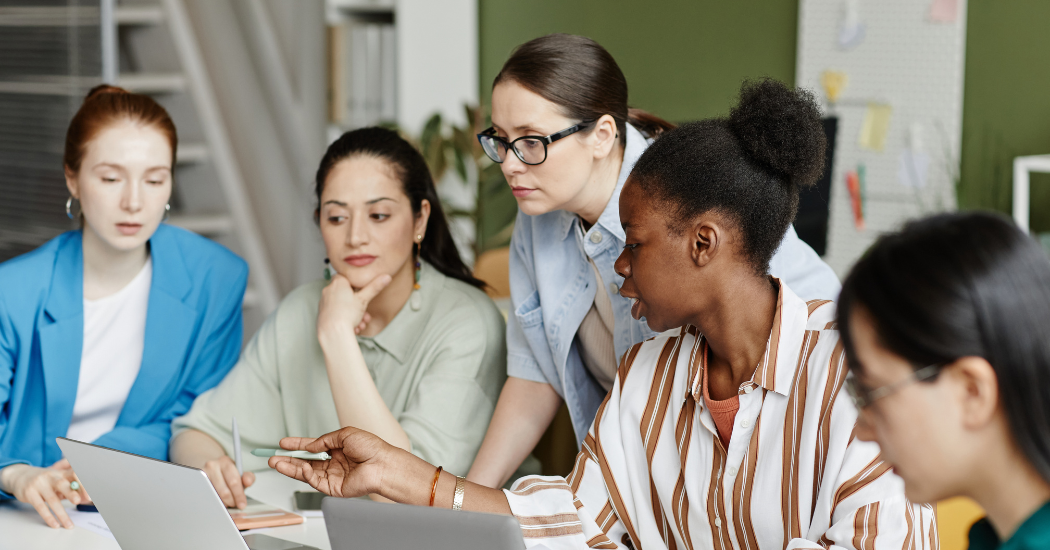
912	169
944	11
875	126
833	82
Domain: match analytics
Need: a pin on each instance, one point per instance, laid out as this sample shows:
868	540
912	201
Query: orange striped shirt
653	474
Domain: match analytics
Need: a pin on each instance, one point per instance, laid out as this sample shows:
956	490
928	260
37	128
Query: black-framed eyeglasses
531	150
863	397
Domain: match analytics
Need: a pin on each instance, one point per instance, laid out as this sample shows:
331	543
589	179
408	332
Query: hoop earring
167	212
69	209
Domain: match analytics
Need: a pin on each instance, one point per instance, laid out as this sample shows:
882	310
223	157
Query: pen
237	447
293	454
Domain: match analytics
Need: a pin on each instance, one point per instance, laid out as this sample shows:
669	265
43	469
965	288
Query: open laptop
158	505
357	524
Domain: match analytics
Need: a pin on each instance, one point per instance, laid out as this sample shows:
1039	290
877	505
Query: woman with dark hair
401	337
945	328
566	140
108	332
729	433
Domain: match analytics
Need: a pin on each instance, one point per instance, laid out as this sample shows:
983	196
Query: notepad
259	514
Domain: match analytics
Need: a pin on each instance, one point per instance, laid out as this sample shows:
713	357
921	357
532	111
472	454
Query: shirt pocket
529	313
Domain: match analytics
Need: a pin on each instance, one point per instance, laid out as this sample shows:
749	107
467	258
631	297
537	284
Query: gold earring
419	238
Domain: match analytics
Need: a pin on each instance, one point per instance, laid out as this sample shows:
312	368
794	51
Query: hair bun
104	89
781	129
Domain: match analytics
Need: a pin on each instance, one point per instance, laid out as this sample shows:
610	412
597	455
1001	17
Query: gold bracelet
457	501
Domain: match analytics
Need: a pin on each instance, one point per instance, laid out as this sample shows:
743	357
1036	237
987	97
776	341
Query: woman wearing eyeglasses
566	142
945	328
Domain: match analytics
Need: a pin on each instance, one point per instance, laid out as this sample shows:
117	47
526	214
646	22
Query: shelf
152	83
191	153
138	15
208	225
52	16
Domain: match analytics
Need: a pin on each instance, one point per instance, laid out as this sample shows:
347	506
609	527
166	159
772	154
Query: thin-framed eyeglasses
531	150
863	397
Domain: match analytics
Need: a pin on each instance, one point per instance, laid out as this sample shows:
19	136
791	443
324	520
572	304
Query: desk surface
22	527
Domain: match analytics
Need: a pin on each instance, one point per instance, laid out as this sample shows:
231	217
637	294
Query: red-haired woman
109	332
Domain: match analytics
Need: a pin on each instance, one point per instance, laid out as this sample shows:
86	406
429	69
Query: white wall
915	65
437	44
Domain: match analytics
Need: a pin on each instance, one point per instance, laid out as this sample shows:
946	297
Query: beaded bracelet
434	487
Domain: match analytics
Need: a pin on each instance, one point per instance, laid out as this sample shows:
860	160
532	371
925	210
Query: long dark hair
749	165
578	74
964	285
438	248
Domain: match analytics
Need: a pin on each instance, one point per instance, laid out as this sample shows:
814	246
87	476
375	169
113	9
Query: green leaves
444	145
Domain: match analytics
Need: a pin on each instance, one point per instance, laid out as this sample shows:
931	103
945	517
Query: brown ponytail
105	105
579	75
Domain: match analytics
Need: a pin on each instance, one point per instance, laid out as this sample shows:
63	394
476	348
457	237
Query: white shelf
51	16
138	15
209	225
152	83
191	153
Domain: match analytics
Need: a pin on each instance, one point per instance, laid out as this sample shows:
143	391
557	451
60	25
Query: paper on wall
944	11
913	168
875	126
851	30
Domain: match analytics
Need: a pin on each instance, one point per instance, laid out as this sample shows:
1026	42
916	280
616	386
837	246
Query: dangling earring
69	208
167	212
419	244
328	271
415	301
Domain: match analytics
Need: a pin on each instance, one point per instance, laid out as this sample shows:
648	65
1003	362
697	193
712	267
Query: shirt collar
610	216
1033	533
776	370
397	337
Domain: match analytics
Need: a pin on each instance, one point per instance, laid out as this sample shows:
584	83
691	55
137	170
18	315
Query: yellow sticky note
834	82
875	126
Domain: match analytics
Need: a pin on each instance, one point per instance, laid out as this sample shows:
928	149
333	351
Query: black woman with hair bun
730	432
945	328
566	140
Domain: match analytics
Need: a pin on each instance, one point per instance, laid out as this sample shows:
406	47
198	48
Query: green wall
1006	103
684	59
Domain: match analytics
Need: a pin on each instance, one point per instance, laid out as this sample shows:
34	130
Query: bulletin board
891	72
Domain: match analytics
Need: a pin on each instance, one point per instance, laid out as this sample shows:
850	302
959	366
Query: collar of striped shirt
653	474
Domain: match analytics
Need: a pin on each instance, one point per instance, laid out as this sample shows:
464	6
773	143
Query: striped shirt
653	474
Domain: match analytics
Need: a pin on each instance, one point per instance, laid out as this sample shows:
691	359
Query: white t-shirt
114	336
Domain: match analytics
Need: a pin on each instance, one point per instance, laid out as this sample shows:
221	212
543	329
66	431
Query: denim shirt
552	286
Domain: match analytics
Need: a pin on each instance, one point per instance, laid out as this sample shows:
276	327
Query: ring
75	485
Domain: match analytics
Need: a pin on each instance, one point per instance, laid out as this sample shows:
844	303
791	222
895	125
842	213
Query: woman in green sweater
945	328
429	358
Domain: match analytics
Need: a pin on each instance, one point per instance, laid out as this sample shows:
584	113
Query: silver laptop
158	505
357	524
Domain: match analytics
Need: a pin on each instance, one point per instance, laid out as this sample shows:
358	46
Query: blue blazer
193	337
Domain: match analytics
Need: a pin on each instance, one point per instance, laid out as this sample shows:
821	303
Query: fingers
64	488
365	319
329	441
295	443
214	470
233	481
248	479
291	467
57	509
372	289
32	496
62	465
